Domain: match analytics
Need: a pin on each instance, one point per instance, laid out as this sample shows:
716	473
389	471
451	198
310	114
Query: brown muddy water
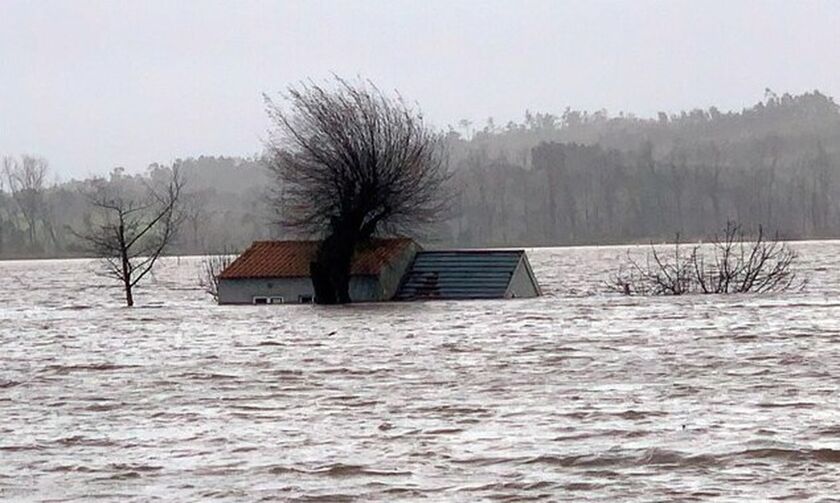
578	395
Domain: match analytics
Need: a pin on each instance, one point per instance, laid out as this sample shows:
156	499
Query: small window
277	300
305	299
260	300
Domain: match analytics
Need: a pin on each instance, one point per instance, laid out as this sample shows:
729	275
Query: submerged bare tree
130	232
349	163
731	263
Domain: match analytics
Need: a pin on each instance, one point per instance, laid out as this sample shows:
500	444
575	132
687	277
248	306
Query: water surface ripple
574	396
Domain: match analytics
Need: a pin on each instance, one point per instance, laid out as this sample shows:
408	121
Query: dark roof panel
460	274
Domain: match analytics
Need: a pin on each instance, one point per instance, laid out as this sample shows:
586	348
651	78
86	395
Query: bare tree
26	180
349	163
195	215
128	232
731	263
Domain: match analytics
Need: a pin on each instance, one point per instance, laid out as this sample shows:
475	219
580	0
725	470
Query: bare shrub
731	263
211	268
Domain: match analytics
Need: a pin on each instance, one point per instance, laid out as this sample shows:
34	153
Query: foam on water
576	395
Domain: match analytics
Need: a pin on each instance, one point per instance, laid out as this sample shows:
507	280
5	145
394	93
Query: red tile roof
290	259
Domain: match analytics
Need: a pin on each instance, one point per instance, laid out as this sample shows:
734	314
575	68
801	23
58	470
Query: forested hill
571	178
587	178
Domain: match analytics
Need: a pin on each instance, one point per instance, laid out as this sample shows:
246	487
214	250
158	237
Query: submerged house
277	272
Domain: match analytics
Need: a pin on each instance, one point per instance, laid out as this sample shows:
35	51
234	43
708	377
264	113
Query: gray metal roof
462	274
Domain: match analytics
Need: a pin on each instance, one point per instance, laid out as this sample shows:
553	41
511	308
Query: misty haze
400	251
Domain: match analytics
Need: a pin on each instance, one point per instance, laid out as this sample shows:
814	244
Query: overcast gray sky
91	85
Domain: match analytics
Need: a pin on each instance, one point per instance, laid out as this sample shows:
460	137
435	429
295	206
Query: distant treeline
223	206
573	178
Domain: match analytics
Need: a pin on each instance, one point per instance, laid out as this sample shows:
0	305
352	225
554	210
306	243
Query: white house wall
243	291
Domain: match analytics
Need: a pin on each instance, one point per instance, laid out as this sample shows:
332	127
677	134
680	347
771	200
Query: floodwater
578	395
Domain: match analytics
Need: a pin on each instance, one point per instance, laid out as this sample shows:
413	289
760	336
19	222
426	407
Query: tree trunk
324	293
331	269
552	205
126	265
341	282
129	299
31	224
